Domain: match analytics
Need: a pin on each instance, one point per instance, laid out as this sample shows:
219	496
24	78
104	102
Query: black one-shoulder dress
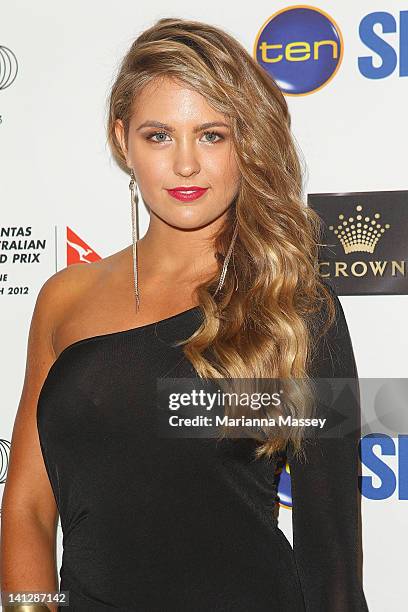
159	525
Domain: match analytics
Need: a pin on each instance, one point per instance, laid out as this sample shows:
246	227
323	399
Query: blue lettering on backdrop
390	482
389	50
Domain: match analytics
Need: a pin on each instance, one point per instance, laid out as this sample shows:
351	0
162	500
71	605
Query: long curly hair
260	324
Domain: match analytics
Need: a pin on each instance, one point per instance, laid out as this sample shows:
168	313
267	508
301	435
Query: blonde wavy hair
261	327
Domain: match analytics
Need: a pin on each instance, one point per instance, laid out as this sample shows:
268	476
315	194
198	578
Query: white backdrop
56	172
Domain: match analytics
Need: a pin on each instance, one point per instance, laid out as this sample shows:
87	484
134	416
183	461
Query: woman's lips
186	195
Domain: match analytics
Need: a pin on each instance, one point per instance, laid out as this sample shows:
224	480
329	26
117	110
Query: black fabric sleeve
326	501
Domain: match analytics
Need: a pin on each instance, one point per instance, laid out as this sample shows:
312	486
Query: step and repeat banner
343	68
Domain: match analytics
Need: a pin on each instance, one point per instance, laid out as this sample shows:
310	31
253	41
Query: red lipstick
187	194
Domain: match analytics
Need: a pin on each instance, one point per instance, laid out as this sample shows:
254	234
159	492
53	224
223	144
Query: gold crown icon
358	233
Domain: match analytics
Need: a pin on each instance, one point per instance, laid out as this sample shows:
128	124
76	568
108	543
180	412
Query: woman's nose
186	160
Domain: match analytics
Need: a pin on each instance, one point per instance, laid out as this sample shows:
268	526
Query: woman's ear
120	135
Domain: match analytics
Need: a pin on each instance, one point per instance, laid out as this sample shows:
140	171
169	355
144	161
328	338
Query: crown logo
359	233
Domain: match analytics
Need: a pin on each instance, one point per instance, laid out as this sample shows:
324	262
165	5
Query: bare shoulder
83	295
63	288
62	293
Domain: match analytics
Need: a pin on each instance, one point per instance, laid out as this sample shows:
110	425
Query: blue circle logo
301	47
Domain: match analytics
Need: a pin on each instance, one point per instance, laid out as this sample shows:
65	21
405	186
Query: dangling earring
134	200
226	262
235	271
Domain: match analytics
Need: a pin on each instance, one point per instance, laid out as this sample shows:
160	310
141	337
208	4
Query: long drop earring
226	261
235	271
134	200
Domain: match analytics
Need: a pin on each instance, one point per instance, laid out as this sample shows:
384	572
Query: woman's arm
29	513
326	501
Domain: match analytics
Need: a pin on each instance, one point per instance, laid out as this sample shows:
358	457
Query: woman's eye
213	134
158	134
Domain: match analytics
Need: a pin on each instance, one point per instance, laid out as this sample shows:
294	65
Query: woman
223	285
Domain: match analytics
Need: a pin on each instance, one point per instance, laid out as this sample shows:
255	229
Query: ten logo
301	47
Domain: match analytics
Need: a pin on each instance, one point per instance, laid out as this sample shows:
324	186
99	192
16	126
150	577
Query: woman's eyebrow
169	128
